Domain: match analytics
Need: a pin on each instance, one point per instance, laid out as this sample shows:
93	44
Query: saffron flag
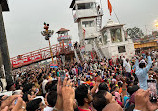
109	7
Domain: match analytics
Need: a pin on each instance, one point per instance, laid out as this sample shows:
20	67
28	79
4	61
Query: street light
47	34
156	24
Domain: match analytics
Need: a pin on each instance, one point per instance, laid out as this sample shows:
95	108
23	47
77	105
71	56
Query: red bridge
39	55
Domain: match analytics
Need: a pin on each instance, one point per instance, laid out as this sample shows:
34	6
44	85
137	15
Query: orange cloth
109	87
50	77
88	82
109	7
120	90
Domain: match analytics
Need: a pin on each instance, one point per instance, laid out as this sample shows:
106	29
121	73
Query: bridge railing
37	55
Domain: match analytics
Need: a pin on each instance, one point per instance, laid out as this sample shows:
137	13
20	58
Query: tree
135	33
155	33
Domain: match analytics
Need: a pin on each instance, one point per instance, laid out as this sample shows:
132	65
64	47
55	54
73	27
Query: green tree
155	33
135	32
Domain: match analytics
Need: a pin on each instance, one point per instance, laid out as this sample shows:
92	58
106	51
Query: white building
114	43
88	14
110	41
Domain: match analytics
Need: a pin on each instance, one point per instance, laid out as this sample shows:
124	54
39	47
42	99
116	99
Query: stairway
81	55
101	52
76	55
98	51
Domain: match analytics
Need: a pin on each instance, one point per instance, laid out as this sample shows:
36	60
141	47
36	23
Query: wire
116	16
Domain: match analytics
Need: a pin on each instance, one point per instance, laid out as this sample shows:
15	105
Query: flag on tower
109	7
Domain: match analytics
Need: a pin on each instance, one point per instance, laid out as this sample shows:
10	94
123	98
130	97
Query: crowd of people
91	85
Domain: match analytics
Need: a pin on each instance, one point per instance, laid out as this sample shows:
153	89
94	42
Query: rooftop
111	23
80	1
72	3
4	4
62	30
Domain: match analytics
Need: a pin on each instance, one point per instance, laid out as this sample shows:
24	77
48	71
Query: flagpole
116	16
110	10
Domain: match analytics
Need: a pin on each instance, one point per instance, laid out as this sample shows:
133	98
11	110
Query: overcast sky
25	20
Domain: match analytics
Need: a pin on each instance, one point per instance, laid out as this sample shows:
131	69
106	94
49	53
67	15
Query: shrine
115	42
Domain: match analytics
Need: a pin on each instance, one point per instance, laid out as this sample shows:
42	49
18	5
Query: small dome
111	23
62	30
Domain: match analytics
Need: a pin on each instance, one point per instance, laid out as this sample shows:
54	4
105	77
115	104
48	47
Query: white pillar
123	35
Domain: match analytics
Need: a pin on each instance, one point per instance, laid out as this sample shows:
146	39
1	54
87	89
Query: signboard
53	65
26	60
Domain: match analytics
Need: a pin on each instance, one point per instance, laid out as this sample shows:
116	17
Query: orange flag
109	7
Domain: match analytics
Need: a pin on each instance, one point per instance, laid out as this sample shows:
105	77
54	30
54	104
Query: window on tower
116	35
105	37
88	23
86	6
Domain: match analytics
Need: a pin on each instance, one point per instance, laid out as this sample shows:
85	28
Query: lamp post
47	34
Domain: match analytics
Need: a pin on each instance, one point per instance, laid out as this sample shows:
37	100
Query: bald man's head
113	107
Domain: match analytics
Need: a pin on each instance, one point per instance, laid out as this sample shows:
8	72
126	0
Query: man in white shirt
124	60
44	83
127	68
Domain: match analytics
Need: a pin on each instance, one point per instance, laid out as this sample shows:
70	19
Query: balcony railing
65	37
87	13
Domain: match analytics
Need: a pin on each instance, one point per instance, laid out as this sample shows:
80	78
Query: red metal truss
37	56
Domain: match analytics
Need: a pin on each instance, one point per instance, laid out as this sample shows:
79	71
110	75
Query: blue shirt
126	101
142	73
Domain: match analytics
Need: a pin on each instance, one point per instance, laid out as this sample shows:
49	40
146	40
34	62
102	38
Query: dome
111	23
